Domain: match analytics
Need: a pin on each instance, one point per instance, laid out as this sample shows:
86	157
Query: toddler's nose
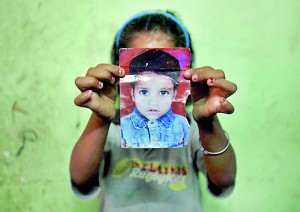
153	101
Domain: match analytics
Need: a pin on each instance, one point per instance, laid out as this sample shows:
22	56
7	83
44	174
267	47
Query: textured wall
45	45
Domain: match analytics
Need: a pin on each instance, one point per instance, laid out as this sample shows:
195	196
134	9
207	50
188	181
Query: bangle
219	152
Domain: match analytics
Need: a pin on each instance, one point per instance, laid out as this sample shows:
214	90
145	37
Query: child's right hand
99	90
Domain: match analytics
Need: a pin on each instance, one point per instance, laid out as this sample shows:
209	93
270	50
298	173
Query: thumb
83	99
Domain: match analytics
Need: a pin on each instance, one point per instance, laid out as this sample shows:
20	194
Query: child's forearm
221	168
88	151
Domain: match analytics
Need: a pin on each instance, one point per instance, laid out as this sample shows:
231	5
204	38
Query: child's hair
148	21
157	61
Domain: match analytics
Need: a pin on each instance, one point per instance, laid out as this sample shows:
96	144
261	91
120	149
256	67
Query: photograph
153	94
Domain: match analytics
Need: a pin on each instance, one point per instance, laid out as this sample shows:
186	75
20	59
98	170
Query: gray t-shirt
150	179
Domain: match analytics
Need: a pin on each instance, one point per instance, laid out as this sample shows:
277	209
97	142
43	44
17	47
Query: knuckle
90	72
221	73
208	67
230	110
234	88
77	81
76	101
101	65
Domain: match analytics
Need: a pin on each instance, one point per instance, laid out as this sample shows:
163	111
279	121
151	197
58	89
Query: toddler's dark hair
157	61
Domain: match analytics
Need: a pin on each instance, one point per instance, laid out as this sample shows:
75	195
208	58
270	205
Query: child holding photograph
152	179
152	124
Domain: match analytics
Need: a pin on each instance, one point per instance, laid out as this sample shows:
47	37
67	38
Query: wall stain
15	109
25	136
294	41
40	5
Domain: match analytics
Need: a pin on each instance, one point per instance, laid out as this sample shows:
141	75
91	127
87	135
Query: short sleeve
91	194
219	191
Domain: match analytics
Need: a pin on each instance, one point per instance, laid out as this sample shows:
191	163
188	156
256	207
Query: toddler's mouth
153	110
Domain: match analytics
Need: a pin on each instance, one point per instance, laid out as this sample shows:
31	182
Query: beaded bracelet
219	152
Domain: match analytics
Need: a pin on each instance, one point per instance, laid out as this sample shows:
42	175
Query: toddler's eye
144	92
164	93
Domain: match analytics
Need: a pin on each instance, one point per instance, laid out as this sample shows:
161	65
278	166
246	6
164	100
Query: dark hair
156	61
148	21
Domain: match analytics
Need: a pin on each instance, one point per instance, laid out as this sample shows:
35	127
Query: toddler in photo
152	124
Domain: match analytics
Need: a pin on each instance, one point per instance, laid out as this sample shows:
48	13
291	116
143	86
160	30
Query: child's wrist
206	123
103	120
201	119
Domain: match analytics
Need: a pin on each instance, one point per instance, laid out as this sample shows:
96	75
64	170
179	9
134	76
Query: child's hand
209	90
100	89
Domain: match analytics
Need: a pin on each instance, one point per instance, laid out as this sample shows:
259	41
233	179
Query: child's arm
209	99
99	92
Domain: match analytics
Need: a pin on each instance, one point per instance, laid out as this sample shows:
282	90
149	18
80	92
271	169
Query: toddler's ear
132	94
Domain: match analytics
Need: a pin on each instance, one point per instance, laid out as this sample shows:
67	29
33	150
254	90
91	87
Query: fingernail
100	85
211	81
195	77
121	71
112	80
222	100
87	93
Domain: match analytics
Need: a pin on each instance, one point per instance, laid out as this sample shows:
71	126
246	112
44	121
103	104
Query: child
152	124
163	179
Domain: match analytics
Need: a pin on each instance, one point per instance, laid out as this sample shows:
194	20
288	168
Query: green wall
45	45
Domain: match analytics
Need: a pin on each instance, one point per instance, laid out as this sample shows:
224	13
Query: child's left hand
209	90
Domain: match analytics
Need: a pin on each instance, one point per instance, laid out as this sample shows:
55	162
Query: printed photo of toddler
153	81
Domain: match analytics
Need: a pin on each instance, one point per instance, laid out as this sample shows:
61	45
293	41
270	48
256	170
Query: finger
102	75
204	73
87	83
225	106
226	87
189	73
116	71
84	98
106	73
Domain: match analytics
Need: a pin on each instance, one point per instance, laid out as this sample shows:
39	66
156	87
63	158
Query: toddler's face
153	94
